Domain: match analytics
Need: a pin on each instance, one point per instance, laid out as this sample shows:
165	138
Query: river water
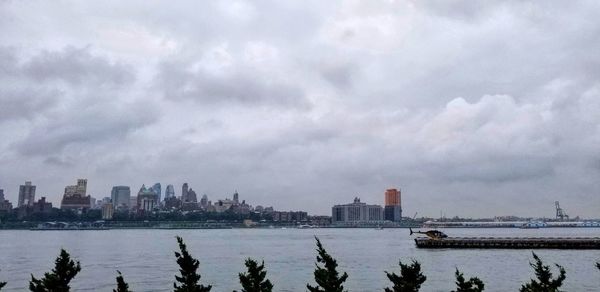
145	257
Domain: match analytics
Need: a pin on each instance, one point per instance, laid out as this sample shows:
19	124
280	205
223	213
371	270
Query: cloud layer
472	109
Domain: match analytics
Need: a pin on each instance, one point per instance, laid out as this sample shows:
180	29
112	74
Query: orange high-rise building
392	197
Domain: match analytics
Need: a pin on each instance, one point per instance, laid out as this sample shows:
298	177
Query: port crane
560	213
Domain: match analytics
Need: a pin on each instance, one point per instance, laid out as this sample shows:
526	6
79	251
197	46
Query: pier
510	242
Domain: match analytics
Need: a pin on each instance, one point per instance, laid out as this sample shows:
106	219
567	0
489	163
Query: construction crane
560	213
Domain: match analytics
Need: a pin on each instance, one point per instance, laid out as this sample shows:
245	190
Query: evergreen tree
327	277
409	280
2	284
473	285
254	279
122	286
58	279
545	281
187	267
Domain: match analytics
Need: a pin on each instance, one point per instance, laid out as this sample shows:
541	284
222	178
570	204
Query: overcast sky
472	108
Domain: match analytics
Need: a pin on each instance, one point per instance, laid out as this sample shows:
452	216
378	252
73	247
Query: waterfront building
42	206
393	205
5	205
133	203
26	194
146	199
169	192
356	212
75	196
108	211
121	197
76	201
172	203
223	205
290	216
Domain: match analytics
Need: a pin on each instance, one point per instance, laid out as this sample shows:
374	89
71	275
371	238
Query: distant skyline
471	108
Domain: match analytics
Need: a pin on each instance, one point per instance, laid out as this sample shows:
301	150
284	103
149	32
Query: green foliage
59	278
545	281
122	286
327	277
187	267
254	279
409	280
2	284
473	285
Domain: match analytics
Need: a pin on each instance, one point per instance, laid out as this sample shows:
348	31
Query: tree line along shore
327	278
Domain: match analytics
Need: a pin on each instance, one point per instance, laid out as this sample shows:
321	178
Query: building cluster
146	200
358	212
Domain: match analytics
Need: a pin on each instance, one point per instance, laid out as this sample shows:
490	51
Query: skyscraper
120	196
393	207
392	197
156	188
26	194
236	197
169	192
184	192
204	201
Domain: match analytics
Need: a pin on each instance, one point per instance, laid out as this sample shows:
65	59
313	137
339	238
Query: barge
510	242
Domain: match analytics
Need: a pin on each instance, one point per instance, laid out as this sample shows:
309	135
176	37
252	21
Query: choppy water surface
146	257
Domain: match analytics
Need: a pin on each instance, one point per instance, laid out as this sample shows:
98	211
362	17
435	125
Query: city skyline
472	109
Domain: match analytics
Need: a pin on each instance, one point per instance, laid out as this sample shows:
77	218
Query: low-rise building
356	212
290	216
108	211
76	201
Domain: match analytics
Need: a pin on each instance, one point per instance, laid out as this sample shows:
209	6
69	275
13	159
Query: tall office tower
26	194
236	197
393	207
120	196
204	201
184	192
1	195
169	192
156	188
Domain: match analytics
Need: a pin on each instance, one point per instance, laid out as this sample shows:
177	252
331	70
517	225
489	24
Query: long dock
510	242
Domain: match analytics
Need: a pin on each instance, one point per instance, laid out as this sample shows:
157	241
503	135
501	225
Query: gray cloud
477	109
77	66
247	88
